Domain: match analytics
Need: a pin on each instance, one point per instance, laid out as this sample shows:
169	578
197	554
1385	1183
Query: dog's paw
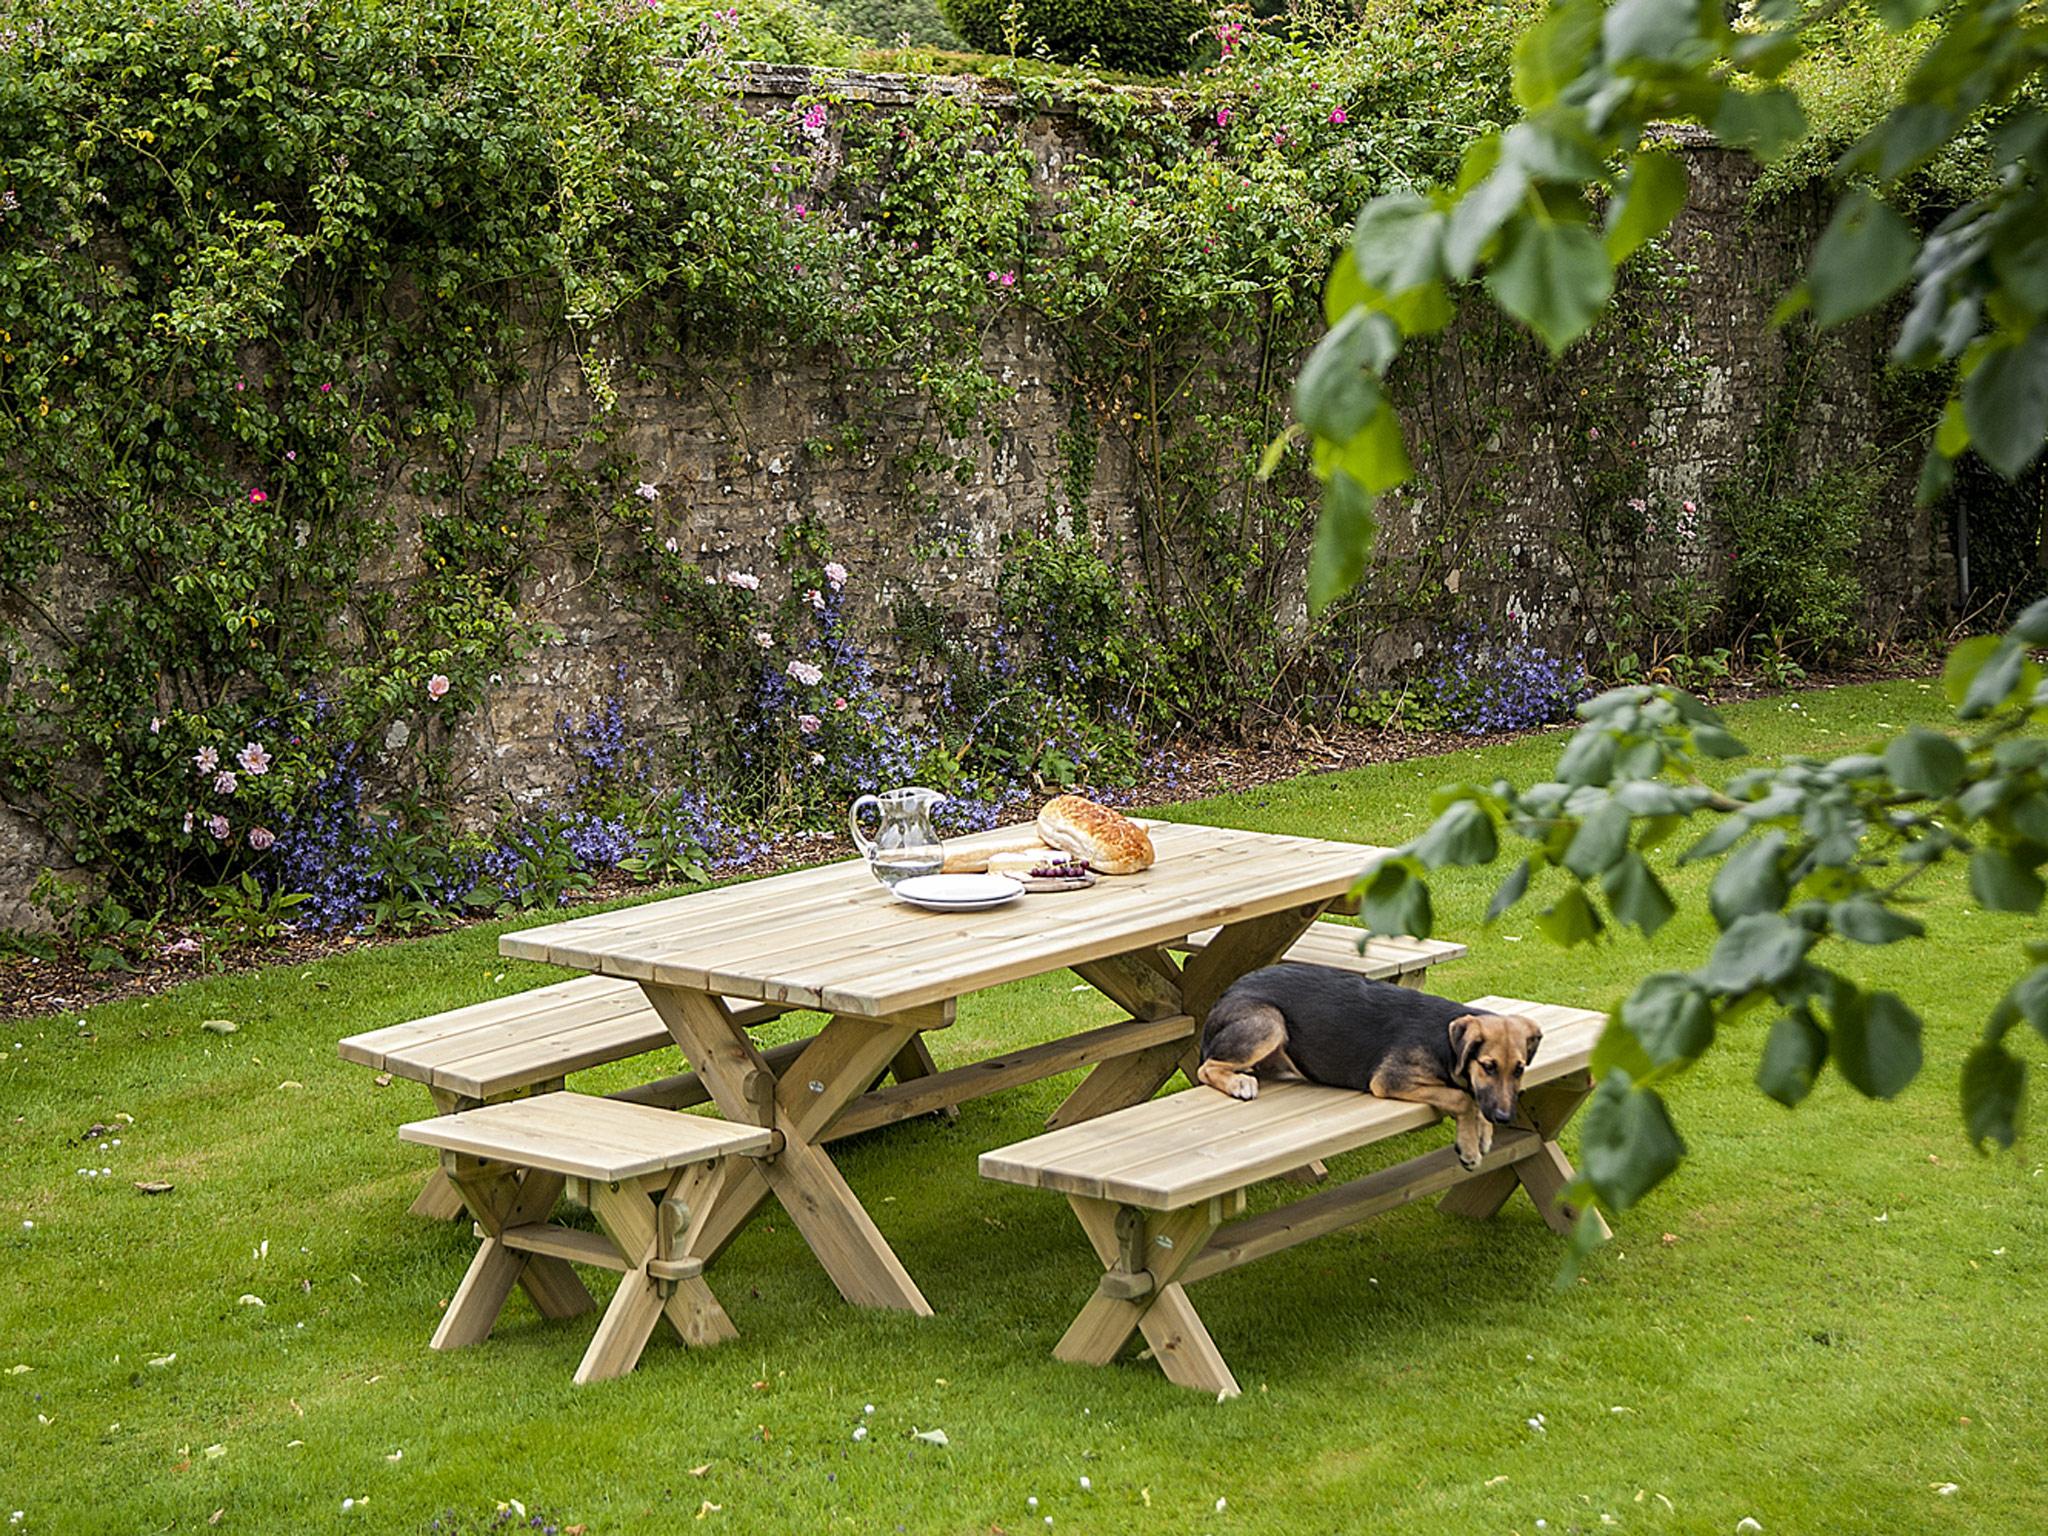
1475	1140
1242	1086
1468	1159
1485	1137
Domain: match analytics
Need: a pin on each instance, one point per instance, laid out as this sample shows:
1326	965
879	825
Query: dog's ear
1467	1035
1532	1036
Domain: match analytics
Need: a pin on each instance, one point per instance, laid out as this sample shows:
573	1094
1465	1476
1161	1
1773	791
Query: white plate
959	893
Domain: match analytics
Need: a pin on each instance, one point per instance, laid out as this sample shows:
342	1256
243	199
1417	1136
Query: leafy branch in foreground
1545	211
1808	852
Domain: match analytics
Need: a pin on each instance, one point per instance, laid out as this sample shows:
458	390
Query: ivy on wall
261	260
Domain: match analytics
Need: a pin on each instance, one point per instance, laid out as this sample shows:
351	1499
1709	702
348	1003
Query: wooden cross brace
643	1238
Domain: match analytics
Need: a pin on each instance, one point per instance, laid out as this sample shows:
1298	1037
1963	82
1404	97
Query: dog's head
1491	1050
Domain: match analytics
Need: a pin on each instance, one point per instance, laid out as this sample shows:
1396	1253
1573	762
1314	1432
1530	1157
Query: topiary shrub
1155	37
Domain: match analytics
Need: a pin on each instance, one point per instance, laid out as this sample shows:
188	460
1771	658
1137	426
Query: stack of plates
959	893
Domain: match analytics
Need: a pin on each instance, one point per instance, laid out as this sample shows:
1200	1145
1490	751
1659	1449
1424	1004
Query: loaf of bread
1112	844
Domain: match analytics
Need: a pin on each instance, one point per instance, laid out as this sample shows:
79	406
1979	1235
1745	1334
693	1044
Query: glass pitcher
904	843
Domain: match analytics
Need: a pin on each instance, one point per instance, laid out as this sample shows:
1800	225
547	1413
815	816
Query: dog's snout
1501	1114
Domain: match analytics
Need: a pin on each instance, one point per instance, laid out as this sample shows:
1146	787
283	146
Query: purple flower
225	782
254	760
205	760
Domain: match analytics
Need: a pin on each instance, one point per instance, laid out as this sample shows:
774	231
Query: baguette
974	861
1111	843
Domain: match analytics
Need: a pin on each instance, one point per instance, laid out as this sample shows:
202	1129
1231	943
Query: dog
1323	1025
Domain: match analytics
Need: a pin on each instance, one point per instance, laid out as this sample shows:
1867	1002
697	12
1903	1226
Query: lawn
1827	1318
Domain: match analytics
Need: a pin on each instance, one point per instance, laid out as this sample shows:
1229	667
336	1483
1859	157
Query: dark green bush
1143	36
887	20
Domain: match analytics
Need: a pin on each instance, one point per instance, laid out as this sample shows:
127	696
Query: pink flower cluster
806	673
835	573
745	580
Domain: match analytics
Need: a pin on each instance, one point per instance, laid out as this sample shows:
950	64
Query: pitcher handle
867	849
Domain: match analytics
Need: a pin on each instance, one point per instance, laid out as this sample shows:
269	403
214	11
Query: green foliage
1594	79
1808	852
888	20
767	31
1792	575
1145	36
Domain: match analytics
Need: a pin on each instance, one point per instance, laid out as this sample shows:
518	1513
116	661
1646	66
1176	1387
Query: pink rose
808	724
260	838
835	573
206	760
254	760
1339	116
225	782
1223	117
437	687
188	821
218	826
256	496
838	702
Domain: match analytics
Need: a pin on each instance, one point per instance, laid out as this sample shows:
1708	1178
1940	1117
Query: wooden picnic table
833	939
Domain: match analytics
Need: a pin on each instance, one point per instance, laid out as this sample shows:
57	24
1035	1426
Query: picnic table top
832	938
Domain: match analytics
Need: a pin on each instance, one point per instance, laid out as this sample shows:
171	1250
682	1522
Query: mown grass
1824	1318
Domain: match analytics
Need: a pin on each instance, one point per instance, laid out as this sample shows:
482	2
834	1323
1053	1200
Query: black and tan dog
1329	1026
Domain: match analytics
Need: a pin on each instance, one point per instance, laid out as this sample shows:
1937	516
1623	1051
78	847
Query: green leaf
1550	55
1670	1015
2002	883
1794	1053
2029	999
1636	895
1344	535
1863	258
1375	456
1553	277
1753	880
1757	951
1876	1043
1924	762
1479	216
1629	1145
1335	397
1618	1049
1397	903
1964	662
1601	839
1716	742
1767	121
1462	835
1570	920
1588	758
1993	1083
1658	31
1866	920
1649	200
2005	402
1510	891
1345	291
1398	243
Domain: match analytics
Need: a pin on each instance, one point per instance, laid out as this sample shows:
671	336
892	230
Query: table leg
1150	984
640	1302
915	1061
836	1068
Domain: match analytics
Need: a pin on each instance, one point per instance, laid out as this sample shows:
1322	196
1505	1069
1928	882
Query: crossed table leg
802	1100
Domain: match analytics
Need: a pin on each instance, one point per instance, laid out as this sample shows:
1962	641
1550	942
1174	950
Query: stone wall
1504	525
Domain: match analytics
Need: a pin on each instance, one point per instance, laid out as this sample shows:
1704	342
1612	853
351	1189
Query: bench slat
505	1044
1172	1152
1384	957
586	1137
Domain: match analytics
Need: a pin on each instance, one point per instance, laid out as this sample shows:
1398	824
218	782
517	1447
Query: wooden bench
511	1162
508	1047
1382	957
1159	1188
